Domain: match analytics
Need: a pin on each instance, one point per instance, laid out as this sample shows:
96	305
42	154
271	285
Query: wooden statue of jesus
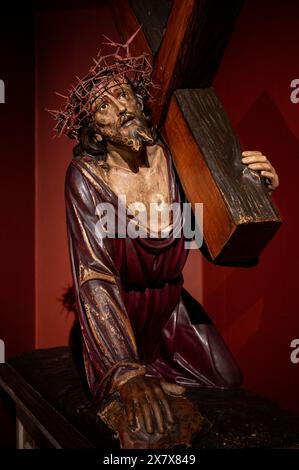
144	338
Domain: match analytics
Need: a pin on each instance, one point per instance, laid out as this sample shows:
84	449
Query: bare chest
147	186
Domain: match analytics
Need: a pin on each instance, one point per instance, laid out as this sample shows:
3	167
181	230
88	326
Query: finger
247	153
140	423
156	408
256	158
147	416
268	174
270	188
158	415
259	166
170	387
272	177
130	414
162	397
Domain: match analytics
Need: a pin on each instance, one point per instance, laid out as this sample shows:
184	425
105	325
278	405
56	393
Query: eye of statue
103	105
123	96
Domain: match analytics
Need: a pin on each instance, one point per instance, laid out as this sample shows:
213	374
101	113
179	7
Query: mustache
126	117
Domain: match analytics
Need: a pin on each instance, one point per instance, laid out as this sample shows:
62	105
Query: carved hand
256	161
146	404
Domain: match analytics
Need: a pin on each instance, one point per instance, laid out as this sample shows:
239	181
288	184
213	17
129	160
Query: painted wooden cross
186	40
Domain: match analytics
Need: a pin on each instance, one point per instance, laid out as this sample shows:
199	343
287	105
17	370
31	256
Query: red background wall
255	309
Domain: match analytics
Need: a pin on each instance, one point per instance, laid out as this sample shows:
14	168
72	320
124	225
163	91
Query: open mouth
127	121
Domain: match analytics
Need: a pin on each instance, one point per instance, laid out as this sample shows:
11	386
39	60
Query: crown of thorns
117	67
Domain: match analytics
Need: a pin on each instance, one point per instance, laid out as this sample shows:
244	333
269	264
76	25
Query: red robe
134	314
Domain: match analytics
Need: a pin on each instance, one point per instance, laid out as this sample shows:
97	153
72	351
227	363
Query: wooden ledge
57	413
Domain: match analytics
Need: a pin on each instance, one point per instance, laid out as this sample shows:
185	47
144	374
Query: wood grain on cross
186	40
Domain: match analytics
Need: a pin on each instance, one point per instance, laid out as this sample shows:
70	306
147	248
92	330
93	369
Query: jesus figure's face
119	119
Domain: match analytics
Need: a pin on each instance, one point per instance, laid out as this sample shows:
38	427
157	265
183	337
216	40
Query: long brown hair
88	144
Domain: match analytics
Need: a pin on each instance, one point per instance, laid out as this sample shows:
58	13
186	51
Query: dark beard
142	136
139	136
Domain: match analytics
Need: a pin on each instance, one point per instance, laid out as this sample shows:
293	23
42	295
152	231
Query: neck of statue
128	158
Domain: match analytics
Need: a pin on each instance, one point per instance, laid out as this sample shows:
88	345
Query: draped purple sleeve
109	347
